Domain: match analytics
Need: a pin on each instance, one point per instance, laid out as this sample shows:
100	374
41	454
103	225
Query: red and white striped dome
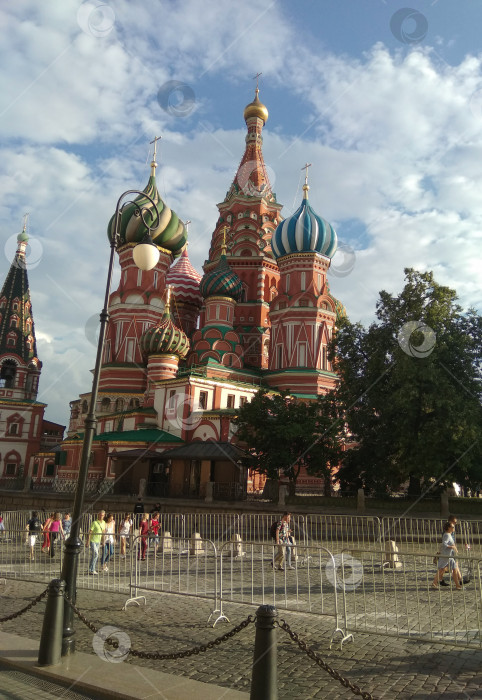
184	280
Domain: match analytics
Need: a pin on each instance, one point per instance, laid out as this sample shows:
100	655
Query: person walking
124	532
34	527
154	530
447	559
46	533
452	519
94	540
143	532
138	511
109	540
56	530
284	544
67	524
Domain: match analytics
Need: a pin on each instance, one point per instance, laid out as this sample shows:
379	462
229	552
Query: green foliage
410	390
283	434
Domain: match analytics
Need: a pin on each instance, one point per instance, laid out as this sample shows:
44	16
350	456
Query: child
124	532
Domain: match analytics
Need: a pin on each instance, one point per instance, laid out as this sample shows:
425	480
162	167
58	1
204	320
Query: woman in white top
109	537
124	532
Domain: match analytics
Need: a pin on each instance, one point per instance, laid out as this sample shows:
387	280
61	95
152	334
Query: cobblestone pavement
384	666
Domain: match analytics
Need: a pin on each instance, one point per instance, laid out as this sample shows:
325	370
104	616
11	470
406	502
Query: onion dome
222	281
256	109
184	281
166	337
22	237
304	232
170	233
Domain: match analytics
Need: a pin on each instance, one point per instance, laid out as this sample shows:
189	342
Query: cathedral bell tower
250	212
304	313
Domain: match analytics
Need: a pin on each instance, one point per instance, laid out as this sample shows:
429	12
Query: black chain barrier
155	655
318	660
26	608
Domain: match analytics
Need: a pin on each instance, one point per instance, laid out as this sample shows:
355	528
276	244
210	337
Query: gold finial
223	245
25	222
153	163
167	306
256	108
306	187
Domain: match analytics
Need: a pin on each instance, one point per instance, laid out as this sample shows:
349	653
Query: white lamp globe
146	254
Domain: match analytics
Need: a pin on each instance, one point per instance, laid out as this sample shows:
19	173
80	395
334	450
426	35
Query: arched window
119	405
85	406
14	321
303	281
105	405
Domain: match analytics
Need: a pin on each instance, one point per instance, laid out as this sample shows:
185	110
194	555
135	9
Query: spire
17	332
306	186
153	163
223	245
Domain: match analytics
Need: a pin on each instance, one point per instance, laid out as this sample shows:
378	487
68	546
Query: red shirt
155	526
144	527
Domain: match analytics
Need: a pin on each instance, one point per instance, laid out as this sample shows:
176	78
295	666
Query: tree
282	434
410	388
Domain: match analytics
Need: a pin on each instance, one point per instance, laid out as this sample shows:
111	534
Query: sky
384	99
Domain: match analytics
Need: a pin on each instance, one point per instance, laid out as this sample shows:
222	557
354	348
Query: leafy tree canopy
283	434
410	389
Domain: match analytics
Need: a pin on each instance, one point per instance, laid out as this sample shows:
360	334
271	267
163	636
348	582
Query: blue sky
383	98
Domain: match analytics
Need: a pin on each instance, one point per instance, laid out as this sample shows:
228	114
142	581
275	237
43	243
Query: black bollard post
264	679
50	649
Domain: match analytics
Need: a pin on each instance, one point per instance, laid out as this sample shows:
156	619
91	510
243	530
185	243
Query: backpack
272	530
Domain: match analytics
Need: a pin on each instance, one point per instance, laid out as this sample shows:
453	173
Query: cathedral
183	351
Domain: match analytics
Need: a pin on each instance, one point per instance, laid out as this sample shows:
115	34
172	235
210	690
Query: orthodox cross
154	141
224	230
305	168
256	77
186	224
25	221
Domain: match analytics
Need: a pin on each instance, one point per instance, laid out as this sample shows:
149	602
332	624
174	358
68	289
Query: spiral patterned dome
304	232
165	338
221	282
170	234
184	281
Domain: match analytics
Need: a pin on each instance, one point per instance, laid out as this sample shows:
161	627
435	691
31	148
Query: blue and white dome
304	232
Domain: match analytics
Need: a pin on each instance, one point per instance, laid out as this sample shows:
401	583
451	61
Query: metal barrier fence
249	574
396	597
175	565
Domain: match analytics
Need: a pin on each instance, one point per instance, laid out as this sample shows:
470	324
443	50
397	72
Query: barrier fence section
175	565
339	531
249	574
393	595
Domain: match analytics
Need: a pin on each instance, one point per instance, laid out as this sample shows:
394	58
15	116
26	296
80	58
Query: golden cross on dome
154	141
256	77
25	221
305	168
224	230
168	298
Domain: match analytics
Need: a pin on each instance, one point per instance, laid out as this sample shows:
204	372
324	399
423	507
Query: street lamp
145	255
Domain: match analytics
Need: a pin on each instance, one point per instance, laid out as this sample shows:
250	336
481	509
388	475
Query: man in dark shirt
34	526
139	510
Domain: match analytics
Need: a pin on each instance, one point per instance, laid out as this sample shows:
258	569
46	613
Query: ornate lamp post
146	256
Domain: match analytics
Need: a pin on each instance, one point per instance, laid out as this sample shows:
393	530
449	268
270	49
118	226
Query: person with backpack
34	527
280	532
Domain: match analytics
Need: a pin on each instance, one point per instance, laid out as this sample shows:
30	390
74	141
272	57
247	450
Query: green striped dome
170	233
165	338
222	282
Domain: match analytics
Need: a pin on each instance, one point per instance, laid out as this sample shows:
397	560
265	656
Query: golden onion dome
256	109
